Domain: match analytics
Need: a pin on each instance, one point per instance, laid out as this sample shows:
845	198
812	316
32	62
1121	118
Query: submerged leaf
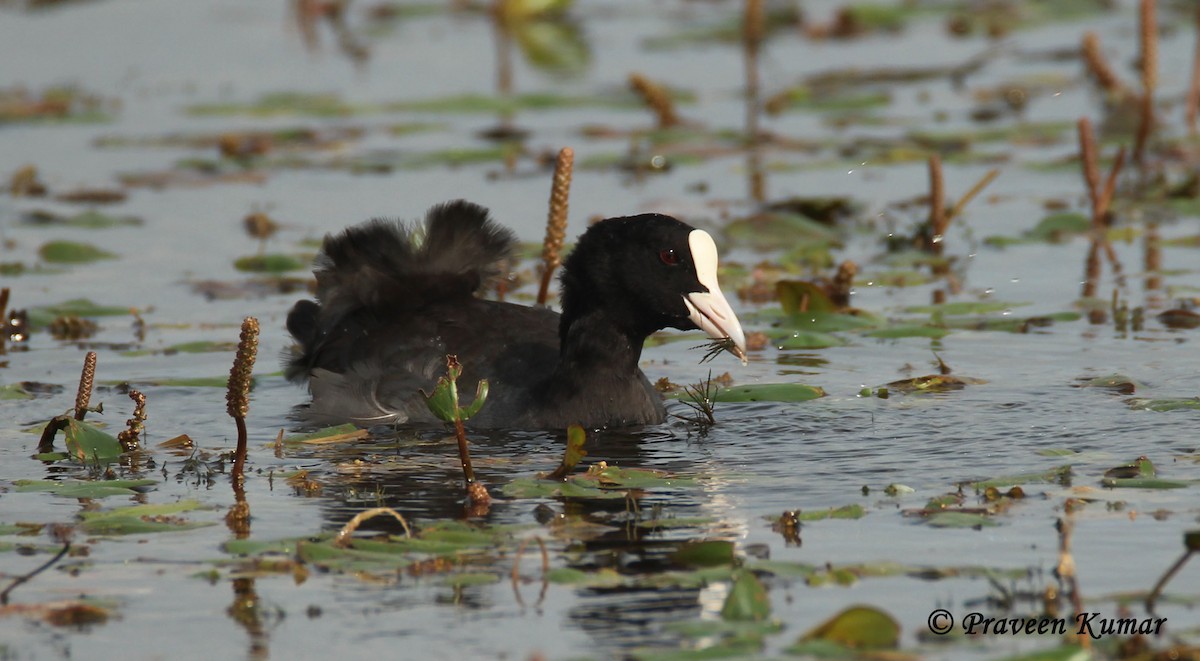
84	488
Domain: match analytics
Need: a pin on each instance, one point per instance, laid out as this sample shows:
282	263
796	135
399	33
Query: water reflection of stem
43	567
1066	567
556	222
1100	200
1149	71
246	610
84	394
516	570
1152	262
1152	598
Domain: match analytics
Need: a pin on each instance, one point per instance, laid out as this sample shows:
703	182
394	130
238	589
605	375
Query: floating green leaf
14	391
271	263
1166	404
952	519
843	512
768	392
139	519
84	488
1143	483
70	252
747	600
87	443
800	339
1058	475
199	346
903	331
856	628
704	554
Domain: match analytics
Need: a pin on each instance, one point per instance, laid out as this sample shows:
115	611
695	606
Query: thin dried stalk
753	23
1099	67
237	397
556	222
4	293
343	536
129	438
84	395
1152	258
972	193
657	98
1149	70
937	203
1087	156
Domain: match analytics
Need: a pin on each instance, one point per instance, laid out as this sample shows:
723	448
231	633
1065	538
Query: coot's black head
645	273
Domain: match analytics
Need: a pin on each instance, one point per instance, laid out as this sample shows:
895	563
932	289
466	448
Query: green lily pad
964	307
1058	475
201	346
87	443
843	512
903	331
84	488
855	628
778	230
1143	483
41	317
1166	404
272	263
769	392
139	519
71	252
747	600
704	554
959	520
14	391
801	339
829	322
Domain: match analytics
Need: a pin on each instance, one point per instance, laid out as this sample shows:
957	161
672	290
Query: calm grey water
154	58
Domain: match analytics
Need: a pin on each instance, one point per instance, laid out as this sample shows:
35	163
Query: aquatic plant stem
1098	66
1147	15
129	438
556	221
937	204
237	397
342	540
657	98
1193	97
83	395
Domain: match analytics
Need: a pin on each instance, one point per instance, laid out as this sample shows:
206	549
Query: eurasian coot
395	300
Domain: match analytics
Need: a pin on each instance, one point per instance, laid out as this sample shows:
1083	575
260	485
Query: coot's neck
596	343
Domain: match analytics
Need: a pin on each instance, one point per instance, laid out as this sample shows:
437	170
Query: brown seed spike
657	98
84	395
556	223
1099	67
129	438
237	398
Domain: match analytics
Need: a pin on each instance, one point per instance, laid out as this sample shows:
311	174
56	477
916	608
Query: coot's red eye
669	257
